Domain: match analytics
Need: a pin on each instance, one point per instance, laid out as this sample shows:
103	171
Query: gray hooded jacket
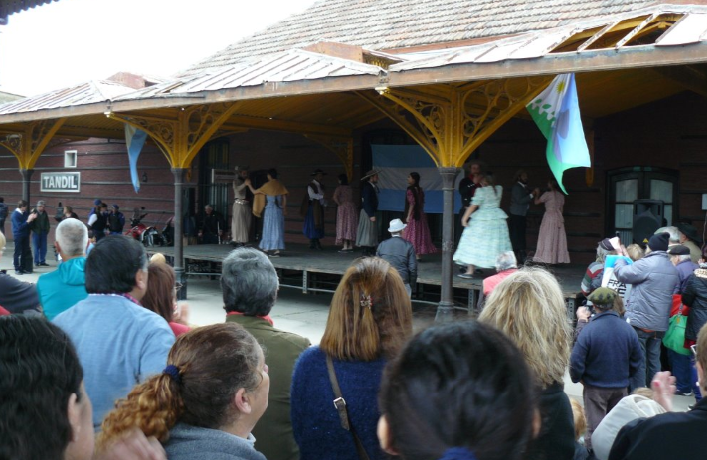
653	278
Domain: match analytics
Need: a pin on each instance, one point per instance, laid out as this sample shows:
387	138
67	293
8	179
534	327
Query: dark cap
602	296
689	231
659	242
679	250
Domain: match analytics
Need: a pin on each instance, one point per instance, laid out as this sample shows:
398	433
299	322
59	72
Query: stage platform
313	271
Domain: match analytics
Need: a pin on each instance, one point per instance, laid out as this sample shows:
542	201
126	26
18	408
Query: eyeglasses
693	348
178	286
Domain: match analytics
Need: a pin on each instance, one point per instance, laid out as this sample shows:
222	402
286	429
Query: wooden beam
688	77
240	121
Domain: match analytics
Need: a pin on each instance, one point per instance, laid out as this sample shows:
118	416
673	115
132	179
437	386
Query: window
70	158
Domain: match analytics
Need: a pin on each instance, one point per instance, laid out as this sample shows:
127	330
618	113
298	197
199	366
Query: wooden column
445	309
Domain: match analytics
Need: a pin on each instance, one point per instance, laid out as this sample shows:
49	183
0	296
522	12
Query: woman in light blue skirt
270	203
485	234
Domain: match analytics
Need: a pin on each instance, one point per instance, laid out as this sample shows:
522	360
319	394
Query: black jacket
673	435
17	296
400	254
695	297
556	438
369	198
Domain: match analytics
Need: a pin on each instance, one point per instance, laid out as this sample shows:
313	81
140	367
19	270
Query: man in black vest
312	210
116	220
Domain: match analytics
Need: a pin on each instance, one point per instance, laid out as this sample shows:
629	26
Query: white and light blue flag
395	163
134	140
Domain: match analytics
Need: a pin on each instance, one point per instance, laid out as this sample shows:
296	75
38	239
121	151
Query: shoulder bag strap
340	405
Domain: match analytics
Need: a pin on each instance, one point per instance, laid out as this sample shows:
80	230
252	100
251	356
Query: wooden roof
394	24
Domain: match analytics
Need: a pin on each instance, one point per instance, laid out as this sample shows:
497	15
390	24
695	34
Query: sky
73	41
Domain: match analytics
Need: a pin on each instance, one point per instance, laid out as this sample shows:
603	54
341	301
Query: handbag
674	338
340	404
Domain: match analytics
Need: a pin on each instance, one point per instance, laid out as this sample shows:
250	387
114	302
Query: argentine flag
134	140
395	163
556	112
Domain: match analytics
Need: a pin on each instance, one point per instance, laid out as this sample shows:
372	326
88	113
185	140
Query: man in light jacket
648	306
400	253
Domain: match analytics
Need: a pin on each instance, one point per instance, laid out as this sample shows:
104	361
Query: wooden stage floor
320	270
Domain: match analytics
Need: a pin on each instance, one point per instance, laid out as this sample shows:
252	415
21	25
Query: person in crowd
249	284
521	197
443	398
96	207
473	172
211	226
367	232
552	239
417	230
4	210
529	307
312	210
161	295
603	359
242	208
695	298
98	220
91	242
595	270
66	212
205	402
653	279
120	343
486	234
346	216
635	251
17	296
115	220
21	221
270	203
66	286
370	318
580	428
672	434
688	236
672	231
680	362
45	412
506	264
400	253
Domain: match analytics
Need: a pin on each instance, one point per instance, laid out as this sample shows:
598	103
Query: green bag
674	338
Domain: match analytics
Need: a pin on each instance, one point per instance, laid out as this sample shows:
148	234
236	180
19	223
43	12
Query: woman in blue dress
486	233
271	199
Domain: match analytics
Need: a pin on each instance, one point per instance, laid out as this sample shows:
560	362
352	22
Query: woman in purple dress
417	232
346	215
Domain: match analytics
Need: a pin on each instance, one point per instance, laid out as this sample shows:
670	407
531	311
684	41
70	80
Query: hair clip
366	301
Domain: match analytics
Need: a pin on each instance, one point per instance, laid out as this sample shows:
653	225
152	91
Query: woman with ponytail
206	401
459	391
417	231
370	318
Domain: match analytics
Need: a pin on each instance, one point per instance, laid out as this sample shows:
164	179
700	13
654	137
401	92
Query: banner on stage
395	163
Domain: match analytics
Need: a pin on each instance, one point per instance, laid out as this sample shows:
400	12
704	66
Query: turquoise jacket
63	288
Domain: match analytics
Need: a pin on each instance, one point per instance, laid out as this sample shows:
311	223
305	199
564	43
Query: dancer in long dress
417	231
367	233
346	218
552	239
271	199
485	235
242	210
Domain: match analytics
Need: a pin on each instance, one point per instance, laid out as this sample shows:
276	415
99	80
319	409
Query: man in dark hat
653	279
312	210
595	270
688	237
367	234
605	356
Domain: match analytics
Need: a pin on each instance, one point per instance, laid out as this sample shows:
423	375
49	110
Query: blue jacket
20	227
400	253
369	198
685	269
606	354
63	288
315	421
187	442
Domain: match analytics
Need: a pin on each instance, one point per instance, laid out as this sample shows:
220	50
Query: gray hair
672	231
505	261
72	236
249	282
602	253
683	257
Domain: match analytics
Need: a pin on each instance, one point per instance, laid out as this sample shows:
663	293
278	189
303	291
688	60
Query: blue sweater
606	354
119	344
20	227
315	421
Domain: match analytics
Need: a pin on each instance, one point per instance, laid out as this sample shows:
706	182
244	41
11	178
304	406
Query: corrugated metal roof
617	31
86	93
292	65
15	6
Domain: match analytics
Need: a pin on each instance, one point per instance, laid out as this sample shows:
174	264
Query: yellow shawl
272	188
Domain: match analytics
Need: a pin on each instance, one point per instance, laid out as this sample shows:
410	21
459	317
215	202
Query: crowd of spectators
99	358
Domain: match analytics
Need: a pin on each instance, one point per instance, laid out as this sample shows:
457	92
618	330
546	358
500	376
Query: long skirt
240	223
273	229
346	223
367	234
